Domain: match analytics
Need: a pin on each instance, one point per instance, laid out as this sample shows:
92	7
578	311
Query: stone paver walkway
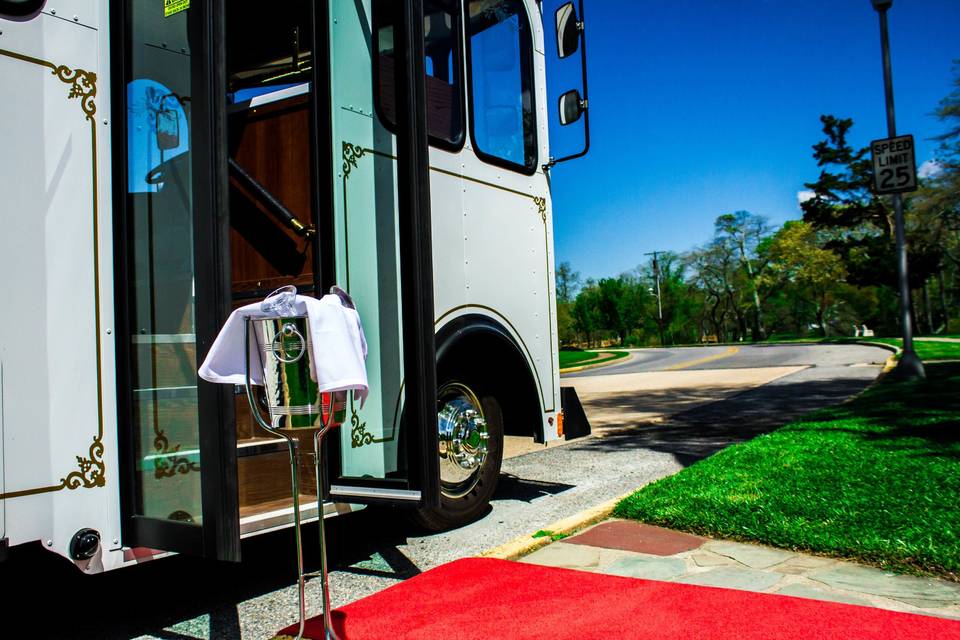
627	548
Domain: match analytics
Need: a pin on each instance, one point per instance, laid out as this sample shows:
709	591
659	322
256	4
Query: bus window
267	50
443	65
500	60
161	407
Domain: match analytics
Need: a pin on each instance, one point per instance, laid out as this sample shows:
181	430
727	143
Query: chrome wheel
464	439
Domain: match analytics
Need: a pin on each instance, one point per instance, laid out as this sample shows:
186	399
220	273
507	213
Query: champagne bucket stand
295	406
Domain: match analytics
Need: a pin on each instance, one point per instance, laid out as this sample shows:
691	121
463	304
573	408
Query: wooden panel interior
271	143
264	479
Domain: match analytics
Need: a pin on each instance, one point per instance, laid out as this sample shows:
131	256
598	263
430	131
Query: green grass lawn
927	349
876	480
573	358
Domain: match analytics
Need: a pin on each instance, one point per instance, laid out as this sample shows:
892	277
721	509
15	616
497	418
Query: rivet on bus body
49	543
53	12
76	18
105	121
109	331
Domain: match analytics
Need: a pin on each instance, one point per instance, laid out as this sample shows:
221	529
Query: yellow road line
683	365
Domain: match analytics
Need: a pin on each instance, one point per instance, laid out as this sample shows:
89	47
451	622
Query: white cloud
803	196
930	169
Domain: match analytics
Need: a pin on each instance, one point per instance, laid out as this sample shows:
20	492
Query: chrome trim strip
163	338
370	492
283	518
304	410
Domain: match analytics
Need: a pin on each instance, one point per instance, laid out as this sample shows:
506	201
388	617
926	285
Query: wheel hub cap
463	439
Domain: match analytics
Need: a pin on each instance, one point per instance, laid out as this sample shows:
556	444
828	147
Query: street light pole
910	365
656	273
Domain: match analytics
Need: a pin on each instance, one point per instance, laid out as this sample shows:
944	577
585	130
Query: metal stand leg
327	620
295	483
275	428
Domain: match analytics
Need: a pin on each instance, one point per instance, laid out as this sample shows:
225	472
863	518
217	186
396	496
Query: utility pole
656	274
910	365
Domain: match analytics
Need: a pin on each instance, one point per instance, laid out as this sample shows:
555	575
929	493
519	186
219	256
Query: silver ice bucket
284	351
284	355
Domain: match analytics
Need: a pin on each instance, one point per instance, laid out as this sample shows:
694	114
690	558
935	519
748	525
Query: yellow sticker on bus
171	7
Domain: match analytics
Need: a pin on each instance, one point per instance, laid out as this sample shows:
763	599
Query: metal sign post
910	365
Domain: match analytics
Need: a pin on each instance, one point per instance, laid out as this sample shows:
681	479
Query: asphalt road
179	598
741	357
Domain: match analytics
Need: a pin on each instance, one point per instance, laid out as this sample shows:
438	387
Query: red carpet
481	598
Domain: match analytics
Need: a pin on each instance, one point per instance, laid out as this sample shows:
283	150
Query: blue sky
701	107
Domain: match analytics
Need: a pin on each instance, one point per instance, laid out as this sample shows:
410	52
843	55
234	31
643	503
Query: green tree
635	302
714	270
610	302
816	273
674	291
566	326
937	204
857	224
586	311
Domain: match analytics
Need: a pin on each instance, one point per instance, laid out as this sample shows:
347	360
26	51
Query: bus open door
233	161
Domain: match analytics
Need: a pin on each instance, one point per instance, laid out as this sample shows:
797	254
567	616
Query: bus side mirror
568	30
168	130
572	107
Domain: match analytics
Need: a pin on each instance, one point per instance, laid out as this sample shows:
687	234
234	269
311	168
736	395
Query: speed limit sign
894	166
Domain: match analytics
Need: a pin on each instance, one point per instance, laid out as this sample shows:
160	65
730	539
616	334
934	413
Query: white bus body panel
56	343
59	471
500	228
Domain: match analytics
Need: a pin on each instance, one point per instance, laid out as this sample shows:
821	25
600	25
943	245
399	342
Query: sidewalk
689	587
630	549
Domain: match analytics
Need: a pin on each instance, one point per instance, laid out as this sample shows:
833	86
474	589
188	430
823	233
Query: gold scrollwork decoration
541	207
358	433
171	464
91	473
351	153
83	85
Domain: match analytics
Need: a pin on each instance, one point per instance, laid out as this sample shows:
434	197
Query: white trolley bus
165	161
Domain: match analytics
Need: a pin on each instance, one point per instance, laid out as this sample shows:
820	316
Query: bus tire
466	486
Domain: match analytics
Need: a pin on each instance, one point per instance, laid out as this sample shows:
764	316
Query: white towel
339	346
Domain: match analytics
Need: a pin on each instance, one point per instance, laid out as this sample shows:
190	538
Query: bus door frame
416	285
218	536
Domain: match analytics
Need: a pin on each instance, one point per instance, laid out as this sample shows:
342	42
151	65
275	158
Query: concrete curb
888	366
608	361
883	345
525	544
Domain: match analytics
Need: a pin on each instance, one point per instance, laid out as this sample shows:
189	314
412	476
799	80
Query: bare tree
745	230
